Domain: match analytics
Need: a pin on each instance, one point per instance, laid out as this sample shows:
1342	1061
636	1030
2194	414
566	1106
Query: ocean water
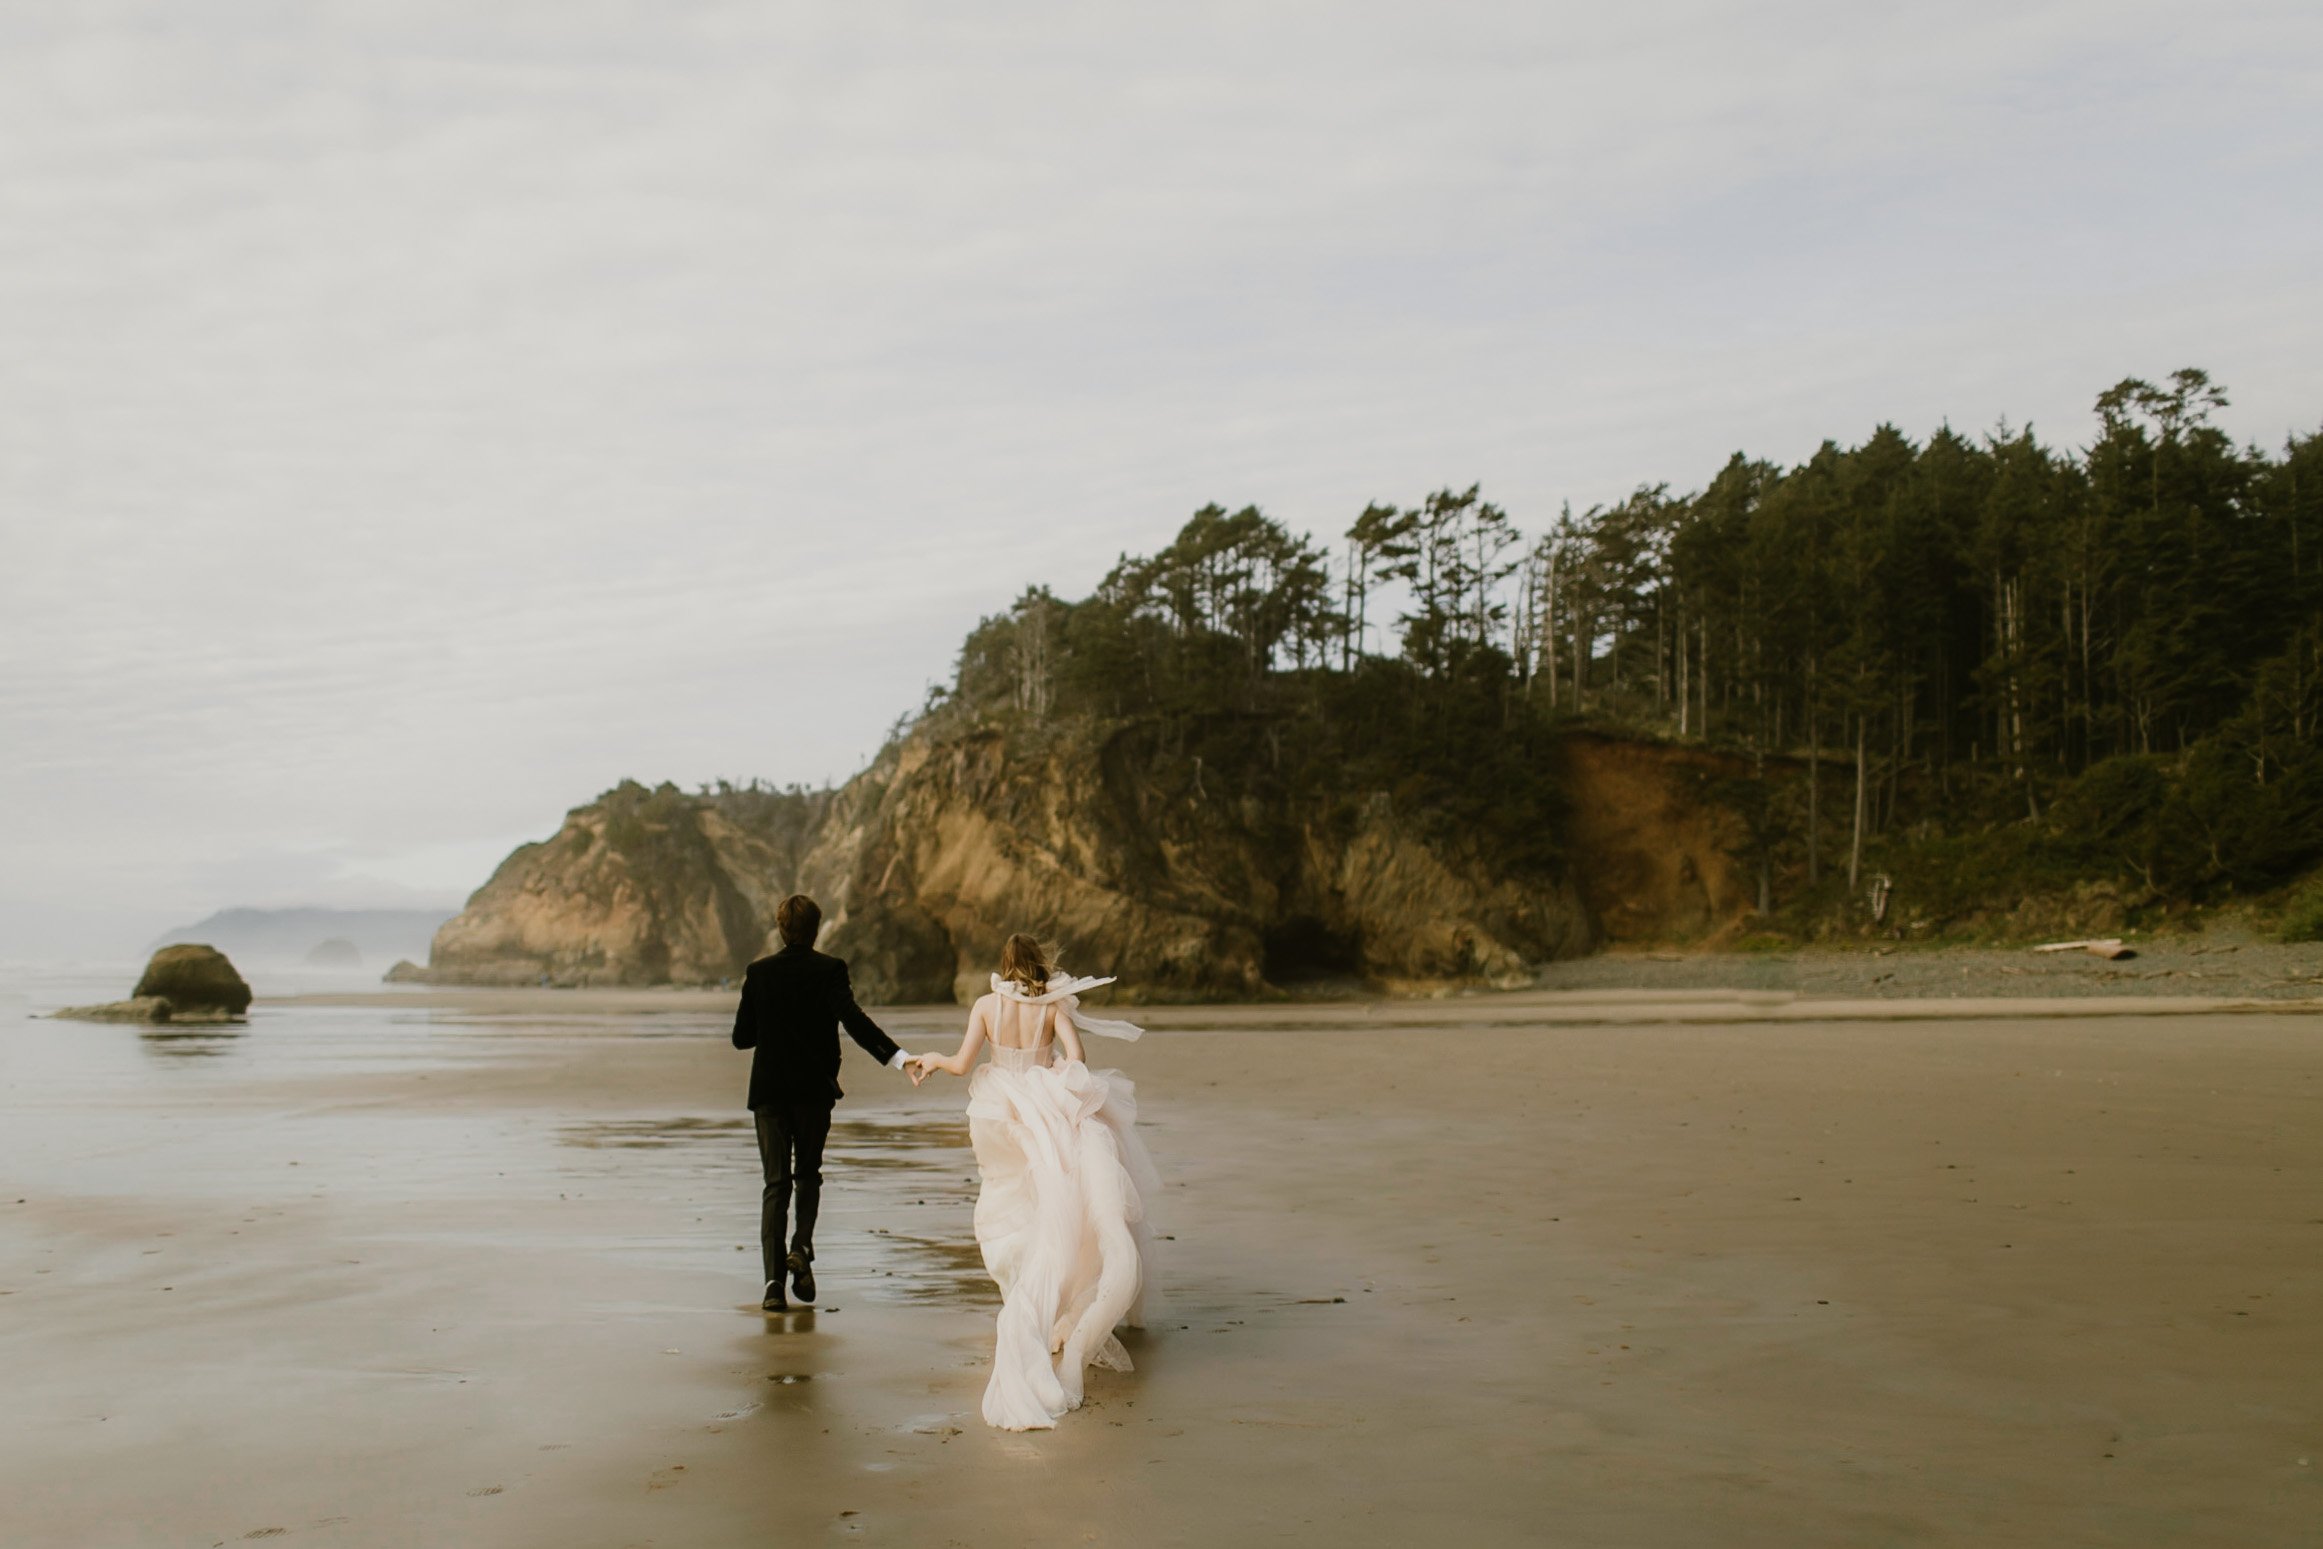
36	988
400	1099
344	1253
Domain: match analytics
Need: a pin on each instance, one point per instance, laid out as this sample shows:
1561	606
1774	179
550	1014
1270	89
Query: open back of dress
1024	1053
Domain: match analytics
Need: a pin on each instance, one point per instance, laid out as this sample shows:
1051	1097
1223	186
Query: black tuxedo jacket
793	1005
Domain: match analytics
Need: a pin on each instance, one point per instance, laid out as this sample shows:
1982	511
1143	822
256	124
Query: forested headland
1970	687
1950	672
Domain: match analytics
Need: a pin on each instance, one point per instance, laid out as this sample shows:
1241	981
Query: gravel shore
2217	964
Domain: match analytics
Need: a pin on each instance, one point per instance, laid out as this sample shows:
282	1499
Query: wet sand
1610	1267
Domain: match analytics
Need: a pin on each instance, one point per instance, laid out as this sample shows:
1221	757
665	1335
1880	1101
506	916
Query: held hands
918	1067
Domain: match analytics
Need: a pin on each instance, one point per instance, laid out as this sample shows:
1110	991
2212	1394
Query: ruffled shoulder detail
1066	992
1066	988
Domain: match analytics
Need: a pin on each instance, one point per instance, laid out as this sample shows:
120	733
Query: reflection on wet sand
929	1166
938	1151
874	1165
188	1042
651	1134
793	1320
908	1134
948	1270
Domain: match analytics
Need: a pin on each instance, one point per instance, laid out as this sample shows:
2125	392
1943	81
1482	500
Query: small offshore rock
338	952
195	978
405	971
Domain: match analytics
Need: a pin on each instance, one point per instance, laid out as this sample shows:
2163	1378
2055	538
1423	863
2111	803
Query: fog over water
418	419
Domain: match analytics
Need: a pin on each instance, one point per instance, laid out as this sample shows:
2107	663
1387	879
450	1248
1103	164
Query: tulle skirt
1062	1223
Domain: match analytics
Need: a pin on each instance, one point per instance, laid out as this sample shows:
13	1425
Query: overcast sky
416	417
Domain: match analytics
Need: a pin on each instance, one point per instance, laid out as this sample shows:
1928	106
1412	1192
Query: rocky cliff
1097	838
1656	848
638	887
1199	891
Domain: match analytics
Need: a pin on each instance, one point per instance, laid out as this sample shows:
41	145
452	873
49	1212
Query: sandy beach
1602	1265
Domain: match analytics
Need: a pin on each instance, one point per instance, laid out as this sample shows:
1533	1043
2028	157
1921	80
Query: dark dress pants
790	1155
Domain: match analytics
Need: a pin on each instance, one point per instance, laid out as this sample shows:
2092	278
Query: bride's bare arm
958	1061
1068	1036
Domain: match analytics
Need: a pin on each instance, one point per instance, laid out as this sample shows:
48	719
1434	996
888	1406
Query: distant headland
338	938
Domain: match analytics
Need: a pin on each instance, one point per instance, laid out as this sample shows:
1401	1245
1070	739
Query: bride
1061	1216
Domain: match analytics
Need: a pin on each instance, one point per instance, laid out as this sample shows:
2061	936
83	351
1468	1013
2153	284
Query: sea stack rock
338	952
639	887
195	980
1099	837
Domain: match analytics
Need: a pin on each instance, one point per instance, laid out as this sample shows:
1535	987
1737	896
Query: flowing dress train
1061	1220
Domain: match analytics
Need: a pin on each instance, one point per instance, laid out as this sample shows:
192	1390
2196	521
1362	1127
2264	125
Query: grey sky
416	417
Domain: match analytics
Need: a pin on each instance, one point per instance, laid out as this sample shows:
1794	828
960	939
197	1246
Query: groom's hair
798	918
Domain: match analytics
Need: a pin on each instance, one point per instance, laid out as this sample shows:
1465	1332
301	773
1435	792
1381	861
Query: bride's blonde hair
1026	961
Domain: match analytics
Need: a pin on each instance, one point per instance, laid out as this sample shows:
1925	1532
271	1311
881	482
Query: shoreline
2169	977
1525	1008
2222	970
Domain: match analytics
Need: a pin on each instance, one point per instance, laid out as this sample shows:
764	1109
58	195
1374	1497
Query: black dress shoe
802	1275
775	1300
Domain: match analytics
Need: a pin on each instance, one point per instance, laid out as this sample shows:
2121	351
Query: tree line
1939	635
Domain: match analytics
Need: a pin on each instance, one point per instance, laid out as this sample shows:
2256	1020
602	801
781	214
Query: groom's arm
746	1017
859	1025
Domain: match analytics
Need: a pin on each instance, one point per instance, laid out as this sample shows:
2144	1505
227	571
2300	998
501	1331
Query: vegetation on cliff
1235	648
2006	668
1960	670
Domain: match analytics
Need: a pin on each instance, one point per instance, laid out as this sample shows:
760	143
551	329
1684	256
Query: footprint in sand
266	1532
486	1489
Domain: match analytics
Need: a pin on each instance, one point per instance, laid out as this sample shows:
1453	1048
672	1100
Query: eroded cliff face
947	844
1091	838
1654	847
639	887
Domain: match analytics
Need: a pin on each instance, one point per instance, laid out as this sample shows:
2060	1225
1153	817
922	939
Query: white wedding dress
1062	1214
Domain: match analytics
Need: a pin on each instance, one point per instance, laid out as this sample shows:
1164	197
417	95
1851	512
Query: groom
793	1005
